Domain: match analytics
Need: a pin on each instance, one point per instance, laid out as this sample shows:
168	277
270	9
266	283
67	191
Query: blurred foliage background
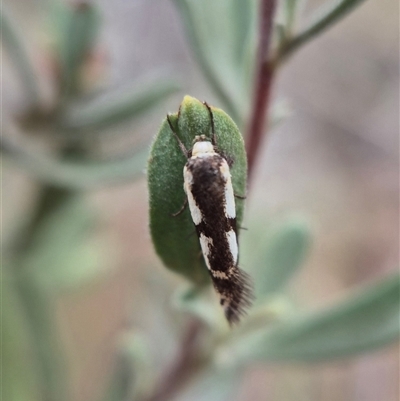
88	310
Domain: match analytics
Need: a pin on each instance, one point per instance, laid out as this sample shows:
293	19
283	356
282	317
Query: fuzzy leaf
221	35
40	309
243	21
77	175
76	39
200	303
133	376
368	320
13	42
215	384
277	255
290	7
175	238
20	379
116	108
61	256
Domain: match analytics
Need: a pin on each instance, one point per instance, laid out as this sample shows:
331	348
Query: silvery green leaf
361	323
200	302
11	38
20	377
276	254
133	376
62	256
77	175
213	384
117	107
221	37
76	38
40	310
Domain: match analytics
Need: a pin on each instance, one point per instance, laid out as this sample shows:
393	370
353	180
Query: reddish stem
263	83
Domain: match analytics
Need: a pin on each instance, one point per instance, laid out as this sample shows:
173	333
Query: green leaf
201	303
367	320
243	22
277	255
76	38
175	238
59	18
62	255
290	8
76	175
133	377
14	44
324	18
20	380
220	34
116	108
213	384
40	311
279	112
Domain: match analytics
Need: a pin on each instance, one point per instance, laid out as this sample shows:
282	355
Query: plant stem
183	367
263	84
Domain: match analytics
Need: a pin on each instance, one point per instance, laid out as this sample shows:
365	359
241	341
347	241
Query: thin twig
183	366
263	81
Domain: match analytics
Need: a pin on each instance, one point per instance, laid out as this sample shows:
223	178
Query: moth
211	200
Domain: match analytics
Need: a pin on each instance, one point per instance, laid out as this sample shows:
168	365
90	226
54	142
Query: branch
263	80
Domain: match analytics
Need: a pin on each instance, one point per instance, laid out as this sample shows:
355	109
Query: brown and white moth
209	191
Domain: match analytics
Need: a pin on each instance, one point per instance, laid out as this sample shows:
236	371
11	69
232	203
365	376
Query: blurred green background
88	310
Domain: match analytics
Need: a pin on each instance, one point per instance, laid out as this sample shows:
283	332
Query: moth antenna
180	143
213	137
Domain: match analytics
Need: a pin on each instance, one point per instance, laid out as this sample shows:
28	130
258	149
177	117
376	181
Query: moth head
202	146
200	138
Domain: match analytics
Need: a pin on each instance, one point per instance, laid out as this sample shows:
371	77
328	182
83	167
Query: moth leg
240	196
213	137
180	143
229	159
180	211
